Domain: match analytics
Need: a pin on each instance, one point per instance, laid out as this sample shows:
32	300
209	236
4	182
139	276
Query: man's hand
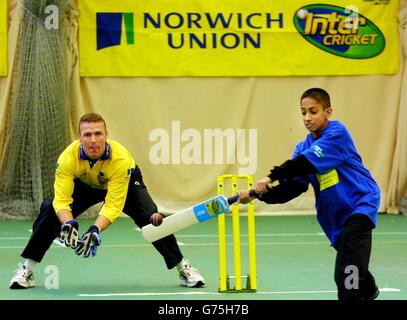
69	233
89	242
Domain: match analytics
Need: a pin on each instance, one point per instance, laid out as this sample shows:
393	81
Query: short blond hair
91	117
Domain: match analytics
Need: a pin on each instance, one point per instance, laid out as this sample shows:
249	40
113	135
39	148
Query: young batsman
347	197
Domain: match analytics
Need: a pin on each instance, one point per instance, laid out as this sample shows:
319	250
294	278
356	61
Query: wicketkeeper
91	170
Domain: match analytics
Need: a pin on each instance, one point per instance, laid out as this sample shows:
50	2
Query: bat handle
233	199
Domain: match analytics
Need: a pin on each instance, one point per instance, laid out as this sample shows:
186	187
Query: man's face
314	116
93	136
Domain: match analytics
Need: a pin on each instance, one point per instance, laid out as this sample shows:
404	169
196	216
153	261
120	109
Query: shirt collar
105	156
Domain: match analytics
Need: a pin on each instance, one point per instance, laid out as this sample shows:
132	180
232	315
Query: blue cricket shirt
342	186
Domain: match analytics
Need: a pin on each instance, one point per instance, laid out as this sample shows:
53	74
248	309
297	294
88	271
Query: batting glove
89	242
69	233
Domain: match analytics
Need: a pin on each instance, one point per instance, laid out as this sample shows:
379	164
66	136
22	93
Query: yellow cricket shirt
111	172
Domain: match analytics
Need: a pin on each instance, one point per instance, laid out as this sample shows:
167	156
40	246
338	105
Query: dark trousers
352	276
139	206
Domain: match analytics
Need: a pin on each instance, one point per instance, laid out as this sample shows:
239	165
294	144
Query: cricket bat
190	216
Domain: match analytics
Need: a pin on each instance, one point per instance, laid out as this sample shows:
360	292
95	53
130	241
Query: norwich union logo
109	28
340	31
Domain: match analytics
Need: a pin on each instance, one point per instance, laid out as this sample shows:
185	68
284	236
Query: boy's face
93	136
314	115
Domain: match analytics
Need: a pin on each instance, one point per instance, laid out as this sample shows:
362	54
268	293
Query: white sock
30	264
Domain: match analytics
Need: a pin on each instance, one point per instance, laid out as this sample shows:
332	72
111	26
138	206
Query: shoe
189	276
374	295
23	278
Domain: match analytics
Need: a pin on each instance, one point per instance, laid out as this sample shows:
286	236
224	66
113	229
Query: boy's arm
284	192
297	167
287	190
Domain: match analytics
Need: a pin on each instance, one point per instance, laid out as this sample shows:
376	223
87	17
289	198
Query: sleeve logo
318	151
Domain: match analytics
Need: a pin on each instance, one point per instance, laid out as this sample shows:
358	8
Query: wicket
251	278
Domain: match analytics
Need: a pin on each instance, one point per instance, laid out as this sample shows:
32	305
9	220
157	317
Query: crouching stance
91	170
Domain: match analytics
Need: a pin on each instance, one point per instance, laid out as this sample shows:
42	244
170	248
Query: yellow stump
251	239
222	242
251	283
236	238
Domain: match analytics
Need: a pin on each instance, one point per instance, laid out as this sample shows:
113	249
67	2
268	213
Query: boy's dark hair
91	117
319	95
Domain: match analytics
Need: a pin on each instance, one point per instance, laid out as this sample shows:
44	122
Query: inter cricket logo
110	27
340	31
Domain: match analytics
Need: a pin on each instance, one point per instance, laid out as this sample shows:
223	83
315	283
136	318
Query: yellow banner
238	38
3	38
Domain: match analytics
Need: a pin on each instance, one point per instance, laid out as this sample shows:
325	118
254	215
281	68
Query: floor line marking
243	234
58	243
213	293
145	294
135	245
279	234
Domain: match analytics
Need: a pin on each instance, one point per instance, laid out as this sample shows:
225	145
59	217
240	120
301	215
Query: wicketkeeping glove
89	242
69	233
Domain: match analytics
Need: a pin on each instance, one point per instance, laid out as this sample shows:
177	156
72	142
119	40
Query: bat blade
186	218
